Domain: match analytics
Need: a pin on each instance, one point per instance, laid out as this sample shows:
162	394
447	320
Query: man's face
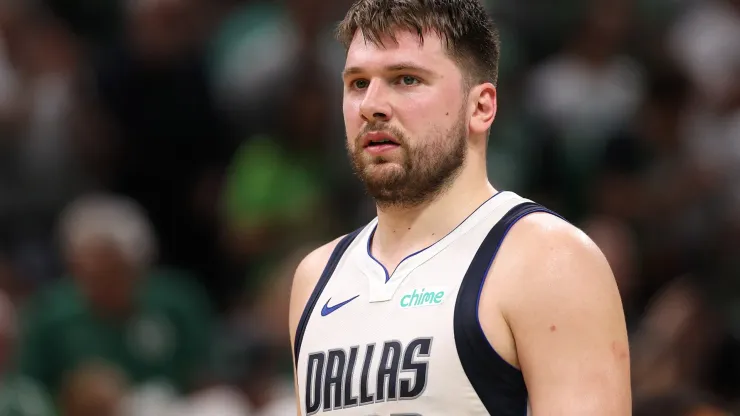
103	275
411	95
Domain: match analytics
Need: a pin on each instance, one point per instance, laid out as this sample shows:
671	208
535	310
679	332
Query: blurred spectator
222	120
586	93
562	90
673	346
93	390
285	183
253	354
171	145
251	370
679	403
271	39
38	164
706	42
681	209
97	23
18	395
149	323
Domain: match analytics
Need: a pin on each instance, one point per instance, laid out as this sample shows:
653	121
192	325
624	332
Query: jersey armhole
499	385
331	265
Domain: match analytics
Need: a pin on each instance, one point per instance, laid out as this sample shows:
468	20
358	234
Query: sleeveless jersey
409	343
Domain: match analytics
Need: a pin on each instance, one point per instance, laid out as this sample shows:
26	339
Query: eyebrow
399	67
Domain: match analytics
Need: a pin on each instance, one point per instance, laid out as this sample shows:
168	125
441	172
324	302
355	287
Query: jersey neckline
383	284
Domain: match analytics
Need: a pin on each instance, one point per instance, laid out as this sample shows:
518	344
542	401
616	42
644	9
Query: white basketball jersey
409	343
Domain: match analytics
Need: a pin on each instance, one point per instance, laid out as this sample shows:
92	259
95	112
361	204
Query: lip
377	136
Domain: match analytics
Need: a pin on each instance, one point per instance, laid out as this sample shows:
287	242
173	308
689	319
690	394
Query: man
117	309
457	299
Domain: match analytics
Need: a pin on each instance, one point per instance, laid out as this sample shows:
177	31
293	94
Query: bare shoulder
306	277
562	307
550	253
310	268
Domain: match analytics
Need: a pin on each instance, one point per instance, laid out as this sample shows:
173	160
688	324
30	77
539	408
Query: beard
416	176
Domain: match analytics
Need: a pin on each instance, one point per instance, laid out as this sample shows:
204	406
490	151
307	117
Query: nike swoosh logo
326	310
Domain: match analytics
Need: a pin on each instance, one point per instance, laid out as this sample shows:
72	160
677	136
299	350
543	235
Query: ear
483	101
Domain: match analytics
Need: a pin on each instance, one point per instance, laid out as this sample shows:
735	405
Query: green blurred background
201	143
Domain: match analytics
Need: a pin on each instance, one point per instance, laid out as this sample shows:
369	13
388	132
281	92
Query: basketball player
457	299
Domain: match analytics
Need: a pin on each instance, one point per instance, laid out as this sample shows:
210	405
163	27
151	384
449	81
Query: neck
402	231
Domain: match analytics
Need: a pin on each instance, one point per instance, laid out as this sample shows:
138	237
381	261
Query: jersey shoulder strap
499	385
331	265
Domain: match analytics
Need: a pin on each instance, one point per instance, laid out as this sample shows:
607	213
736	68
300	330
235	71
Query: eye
409	80
360	84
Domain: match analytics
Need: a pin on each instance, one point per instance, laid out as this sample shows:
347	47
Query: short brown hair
464	25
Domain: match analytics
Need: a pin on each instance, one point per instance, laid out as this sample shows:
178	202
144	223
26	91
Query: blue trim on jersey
514	220
331	265
369	253
499	385
372	234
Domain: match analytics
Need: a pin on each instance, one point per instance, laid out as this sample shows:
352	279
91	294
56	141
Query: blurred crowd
165	164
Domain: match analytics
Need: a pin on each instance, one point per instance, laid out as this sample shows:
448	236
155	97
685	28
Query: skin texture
431	150
559	319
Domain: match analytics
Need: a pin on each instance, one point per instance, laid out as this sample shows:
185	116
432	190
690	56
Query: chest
362	350
370	342
416	299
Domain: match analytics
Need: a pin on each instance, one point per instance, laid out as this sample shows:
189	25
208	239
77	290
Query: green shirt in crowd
166	339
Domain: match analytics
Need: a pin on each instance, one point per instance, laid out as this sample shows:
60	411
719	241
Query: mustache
382	127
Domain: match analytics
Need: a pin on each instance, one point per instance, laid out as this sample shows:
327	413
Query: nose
375	105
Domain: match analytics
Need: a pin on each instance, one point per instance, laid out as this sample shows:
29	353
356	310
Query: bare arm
306	276
567	322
